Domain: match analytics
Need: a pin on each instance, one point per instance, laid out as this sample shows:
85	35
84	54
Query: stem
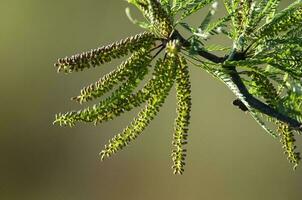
237	81
207	55
158	52
259	105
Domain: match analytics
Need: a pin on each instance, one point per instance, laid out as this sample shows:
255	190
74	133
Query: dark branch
158	52
207	55
236	79
259	105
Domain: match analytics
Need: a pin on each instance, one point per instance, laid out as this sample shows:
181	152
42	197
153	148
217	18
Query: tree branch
207	55
236	79
259	105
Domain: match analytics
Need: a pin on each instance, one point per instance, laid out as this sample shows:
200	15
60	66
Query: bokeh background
229	156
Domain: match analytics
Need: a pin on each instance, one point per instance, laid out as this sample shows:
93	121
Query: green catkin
105	54
240	15
266	89
147	114
117	103
163	24
288	141
183	93
127	71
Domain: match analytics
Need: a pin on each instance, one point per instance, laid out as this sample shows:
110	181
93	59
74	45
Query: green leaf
282	21
192	6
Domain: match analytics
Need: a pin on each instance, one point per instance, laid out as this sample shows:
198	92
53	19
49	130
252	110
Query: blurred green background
229	156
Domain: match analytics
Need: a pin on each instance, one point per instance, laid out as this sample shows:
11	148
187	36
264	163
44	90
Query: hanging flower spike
136	67
288	141
161	21
114	105
104	54
183	93
128	70
147	114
